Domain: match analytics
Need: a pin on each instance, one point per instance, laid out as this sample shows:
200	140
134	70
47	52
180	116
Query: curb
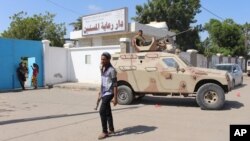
91	88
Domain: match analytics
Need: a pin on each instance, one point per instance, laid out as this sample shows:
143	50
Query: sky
67	11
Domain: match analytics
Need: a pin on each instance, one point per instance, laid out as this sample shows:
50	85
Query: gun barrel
97	104
175	34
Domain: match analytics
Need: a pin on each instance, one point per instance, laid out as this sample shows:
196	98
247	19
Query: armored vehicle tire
210	97
125	95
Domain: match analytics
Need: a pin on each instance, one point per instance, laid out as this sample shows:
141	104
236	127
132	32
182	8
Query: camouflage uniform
140	41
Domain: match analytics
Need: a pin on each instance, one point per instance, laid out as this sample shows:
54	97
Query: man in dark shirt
107	93
21	71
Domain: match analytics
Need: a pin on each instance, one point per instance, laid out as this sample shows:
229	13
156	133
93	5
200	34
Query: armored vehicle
162	73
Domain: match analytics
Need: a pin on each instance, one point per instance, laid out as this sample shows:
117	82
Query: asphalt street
68	115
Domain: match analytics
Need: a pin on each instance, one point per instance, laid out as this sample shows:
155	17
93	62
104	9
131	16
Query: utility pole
246	41
246	38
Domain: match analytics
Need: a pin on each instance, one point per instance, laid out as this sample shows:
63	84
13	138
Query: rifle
97	103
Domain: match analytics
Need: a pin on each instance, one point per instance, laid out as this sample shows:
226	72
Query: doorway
28	61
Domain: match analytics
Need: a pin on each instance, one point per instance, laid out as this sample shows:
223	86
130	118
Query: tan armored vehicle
162	73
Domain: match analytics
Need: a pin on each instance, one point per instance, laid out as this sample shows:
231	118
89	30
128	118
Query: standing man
21	71
107	93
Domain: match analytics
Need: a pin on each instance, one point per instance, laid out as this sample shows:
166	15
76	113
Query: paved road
68	115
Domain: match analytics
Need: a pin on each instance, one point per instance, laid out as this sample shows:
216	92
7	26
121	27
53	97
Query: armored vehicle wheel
125	95
210	97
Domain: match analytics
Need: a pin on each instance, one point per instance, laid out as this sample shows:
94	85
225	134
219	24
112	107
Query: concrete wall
201	61
215	60
241	62
11	51
185	56
225	59
111	40
81	64
85	42
210	62
108	40
233	60
56	61
80	70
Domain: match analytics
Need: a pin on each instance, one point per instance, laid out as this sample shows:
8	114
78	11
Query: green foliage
178	14
77	24
240	51
225	37
225	51
36	27
224	34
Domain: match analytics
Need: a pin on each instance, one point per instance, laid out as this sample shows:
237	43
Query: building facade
106	29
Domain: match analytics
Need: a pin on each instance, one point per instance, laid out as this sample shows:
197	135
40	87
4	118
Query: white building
149	30
105	29
101	32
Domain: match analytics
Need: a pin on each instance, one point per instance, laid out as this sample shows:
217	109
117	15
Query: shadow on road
20	90
232	105
10	91
182	102
139	129
239	86
166	101
56	116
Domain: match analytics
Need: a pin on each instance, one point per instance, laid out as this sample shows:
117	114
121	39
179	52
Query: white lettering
237	133
243	131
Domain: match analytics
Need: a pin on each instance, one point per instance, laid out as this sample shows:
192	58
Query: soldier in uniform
140	40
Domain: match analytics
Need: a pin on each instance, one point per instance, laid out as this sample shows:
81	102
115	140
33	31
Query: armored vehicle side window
170	62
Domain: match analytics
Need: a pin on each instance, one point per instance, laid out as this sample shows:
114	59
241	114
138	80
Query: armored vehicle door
172	79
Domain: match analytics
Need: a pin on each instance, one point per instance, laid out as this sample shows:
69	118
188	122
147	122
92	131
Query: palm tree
78	24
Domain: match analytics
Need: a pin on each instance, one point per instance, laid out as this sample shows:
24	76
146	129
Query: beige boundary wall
199	60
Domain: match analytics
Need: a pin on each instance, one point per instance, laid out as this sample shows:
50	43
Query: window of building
87	59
